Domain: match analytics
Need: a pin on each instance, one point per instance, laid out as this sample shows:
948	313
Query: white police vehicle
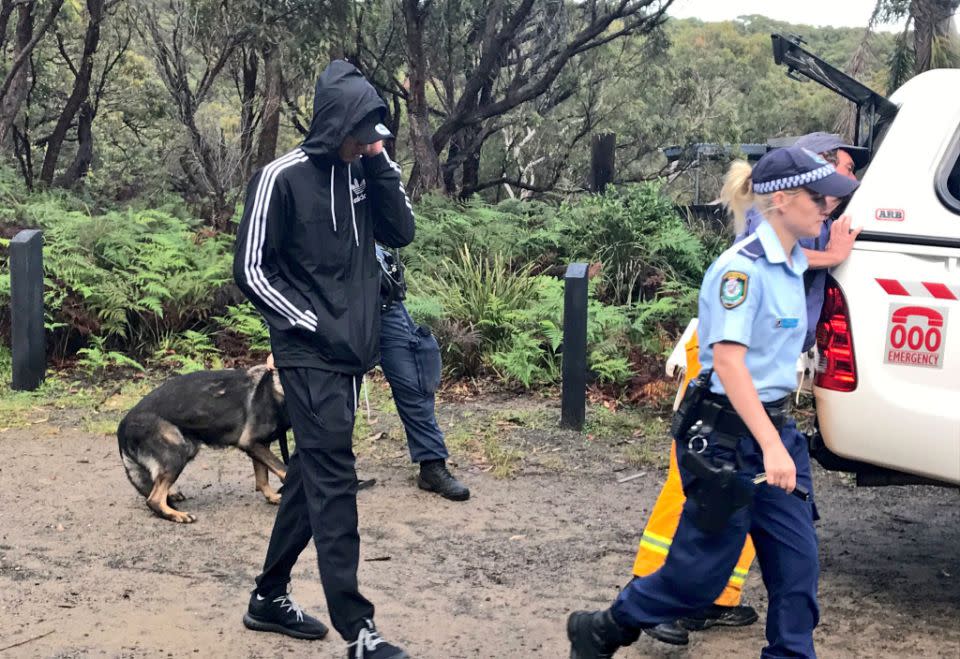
887	376
887	381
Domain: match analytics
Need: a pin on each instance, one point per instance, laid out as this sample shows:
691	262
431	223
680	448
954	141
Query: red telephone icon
934	318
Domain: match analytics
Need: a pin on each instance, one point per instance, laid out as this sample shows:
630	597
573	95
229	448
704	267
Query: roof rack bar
800	62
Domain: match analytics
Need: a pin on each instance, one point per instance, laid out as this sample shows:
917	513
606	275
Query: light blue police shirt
816	280
752	296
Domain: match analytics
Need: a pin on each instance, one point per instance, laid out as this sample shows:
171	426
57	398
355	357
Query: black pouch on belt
717	493
688	412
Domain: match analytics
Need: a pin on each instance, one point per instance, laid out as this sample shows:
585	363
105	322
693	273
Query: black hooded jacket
304	254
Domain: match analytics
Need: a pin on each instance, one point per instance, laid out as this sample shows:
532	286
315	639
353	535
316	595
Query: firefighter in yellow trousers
658	535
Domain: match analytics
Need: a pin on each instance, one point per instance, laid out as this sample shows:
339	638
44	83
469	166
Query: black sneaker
369	645
720	616
435	477
283	616
669	632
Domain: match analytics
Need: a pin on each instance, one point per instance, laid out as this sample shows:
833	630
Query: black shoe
720	616
596	635
669	632
282	615
435	477
369	645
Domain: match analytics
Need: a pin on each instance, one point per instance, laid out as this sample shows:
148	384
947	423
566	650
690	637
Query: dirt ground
86	570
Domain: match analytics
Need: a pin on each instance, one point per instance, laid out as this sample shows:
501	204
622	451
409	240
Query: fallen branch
29	640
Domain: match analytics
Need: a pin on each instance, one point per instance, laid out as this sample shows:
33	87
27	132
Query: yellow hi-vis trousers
665	516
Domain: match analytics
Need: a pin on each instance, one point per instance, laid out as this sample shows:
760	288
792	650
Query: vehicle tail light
837	369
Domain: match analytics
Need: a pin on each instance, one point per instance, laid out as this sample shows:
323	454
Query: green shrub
511	325
149	286
245	323
96	359
187	352
521	232
476	294
637	235
132	278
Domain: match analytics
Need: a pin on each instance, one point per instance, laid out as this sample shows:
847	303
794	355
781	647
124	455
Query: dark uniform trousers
320	495
410	359
699	564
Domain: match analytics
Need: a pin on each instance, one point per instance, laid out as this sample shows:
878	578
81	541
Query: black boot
720	616
669	632
435	477
596	635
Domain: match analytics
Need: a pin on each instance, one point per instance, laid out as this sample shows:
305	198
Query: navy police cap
821	142
795	167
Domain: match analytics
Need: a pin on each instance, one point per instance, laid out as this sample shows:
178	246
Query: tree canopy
132	100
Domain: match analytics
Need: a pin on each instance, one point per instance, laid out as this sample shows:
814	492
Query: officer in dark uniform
740	453
410	359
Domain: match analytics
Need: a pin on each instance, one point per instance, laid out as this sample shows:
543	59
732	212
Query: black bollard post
28	339
602	161
574	397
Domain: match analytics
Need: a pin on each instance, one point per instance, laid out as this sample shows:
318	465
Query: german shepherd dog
233	407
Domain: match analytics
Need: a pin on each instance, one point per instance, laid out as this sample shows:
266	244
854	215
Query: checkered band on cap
795	181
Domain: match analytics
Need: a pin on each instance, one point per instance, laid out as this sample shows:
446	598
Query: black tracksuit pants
320	495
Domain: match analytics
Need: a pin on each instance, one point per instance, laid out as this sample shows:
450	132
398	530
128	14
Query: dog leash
284	449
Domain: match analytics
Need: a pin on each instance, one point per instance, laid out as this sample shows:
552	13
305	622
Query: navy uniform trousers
699	564
410	359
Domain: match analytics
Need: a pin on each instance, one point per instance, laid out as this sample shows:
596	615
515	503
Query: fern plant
187	351
127	278
96	359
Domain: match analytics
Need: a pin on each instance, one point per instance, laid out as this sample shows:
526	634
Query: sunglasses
817	198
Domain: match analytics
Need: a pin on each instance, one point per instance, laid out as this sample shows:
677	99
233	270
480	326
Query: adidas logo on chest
358	189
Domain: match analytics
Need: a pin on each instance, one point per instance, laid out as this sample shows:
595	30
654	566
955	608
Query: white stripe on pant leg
366	395
355	403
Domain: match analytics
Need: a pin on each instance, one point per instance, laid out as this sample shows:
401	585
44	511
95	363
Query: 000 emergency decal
915	336
733	289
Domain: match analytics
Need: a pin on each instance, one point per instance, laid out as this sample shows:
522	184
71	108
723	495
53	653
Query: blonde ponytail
737	193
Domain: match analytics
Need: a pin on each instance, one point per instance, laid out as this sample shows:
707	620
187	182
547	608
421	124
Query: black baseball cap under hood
343	97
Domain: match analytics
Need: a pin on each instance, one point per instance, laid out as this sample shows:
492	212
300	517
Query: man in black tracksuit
305	258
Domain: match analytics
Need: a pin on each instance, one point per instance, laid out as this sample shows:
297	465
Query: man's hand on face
842	238
351	149
370	150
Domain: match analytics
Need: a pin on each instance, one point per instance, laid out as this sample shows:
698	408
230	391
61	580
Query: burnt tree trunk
932	20
13	89
249	64
17	89
267	147
78	95
426	174
84	156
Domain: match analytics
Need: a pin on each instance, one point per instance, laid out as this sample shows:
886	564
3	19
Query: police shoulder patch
733	288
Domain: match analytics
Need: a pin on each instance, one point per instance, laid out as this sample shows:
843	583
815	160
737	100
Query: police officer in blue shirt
741	455
833	244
